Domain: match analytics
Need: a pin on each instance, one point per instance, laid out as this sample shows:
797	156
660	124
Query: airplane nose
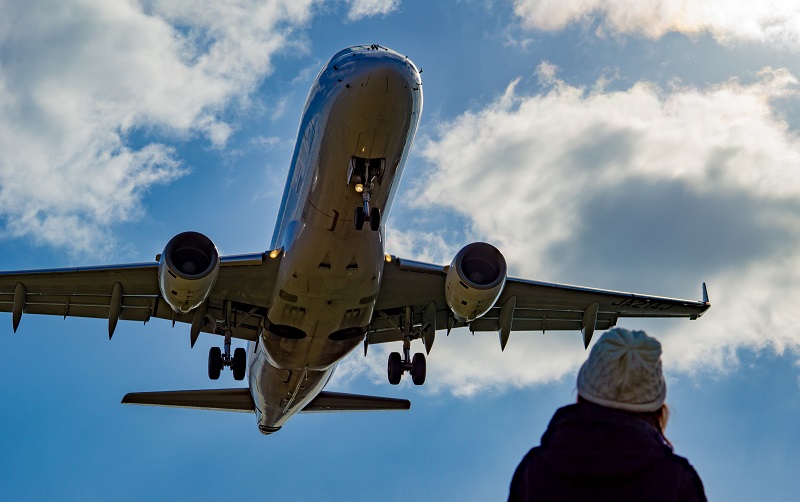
374	66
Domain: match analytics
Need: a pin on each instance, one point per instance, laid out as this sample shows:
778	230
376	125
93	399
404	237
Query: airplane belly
330	274
324	298
355	134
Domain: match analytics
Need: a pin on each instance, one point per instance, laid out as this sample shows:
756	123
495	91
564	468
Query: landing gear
418	369
217	359
374	219
360	216
395	368
239	363
417	366
358	219
214	363
398	365
364	177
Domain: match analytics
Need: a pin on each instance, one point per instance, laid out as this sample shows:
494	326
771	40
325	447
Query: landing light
388	258
274	253
359	187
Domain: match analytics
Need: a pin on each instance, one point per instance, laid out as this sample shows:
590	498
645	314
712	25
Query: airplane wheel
374	219
418	369
358	219
214	362
239	363
395	368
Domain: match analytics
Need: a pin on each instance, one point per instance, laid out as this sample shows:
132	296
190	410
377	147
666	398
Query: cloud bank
649	190
774	22
360	9
77	79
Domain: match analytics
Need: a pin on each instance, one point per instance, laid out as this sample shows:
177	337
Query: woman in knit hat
610	445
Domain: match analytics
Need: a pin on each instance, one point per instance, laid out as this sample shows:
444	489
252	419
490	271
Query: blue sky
644	147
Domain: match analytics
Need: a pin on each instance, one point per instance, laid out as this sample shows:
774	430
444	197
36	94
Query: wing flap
541	324
238	400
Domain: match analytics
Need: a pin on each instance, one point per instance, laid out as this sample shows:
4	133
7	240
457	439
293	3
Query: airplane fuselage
355	134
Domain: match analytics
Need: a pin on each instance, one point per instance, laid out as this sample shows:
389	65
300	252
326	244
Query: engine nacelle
475	280
187	270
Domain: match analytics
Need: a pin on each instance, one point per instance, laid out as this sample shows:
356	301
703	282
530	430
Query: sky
643	146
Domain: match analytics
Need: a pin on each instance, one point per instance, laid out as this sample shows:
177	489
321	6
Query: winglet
705	294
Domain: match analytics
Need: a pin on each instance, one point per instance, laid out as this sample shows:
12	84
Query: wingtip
705	294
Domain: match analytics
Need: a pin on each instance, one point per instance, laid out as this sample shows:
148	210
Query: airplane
326	285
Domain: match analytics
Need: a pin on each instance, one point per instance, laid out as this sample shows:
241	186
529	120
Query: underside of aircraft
326	286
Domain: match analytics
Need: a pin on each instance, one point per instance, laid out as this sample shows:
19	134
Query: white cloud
775	22
426	246
646	189
77	78
360	9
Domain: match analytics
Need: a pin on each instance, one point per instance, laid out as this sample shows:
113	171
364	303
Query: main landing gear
417	365
218	360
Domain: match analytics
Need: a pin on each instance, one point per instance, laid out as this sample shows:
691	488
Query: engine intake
475	280
187	270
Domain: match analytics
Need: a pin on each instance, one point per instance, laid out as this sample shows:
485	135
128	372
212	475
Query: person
610	445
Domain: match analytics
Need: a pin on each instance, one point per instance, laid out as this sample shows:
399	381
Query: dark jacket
591	452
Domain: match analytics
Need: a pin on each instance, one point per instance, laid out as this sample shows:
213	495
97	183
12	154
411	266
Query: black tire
418	368
214	362
239	363
375	219
395	368
358	219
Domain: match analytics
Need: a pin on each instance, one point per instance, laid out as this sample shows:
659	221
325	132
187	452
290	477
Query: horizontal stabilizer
328	402
212	399
241	401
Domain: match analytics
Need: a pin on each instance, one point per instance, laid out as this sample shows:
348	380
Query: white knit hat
624	372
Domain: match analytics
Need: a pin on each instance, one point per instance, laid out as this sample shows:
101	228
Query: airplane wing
523	305
243	287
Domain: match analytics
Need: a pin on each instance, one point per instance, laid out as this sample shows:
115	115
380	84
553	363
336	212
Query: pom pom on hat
624	372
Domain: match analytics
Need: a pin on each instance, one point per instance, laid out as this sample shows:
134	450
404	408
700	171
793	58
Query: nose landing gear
374	217
364	174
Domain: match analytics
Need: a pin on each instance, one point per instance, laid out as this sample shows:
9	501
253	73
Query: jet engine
187	270
475	280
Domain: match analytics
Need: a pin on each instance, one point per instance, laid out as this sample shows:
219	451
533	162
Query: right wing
418	288
243	288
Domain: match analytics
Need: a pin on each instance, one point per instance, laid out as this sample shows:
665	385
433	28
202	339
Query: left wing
243	289
416	290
